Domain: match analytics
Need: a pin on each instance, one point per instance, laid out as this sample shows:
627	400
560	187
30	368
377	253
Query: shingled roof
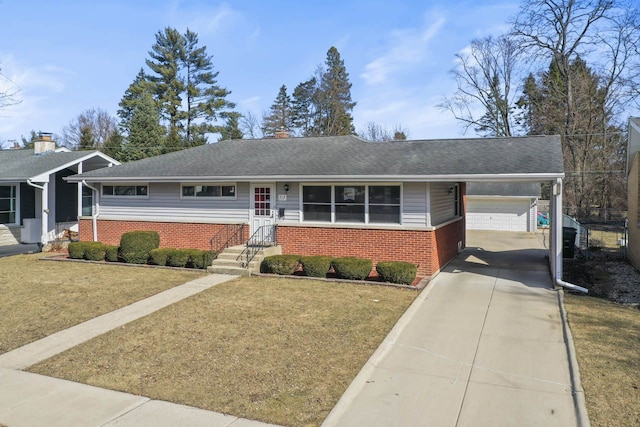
347	157
20	165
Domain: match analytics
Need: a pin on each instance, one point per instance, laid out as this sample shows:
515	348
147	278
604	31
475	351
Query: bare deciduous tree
375	132
94	124
561	32
485	77
8	92
250	126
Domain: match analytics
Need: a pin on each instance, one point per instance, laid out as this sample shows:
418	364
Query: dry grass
43	297
607	340
272	349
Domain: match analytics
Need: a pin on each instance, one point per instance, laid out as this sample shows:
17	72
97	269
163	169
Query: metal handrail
262	237
229	235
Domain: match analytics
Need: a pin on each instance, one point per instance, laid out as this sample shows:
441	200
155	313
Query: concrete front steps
227	261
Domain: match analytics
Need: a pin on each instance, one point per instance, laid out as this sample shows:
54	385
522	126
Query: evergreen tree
231	129
141	85
335	90
322	105
303	107
146	135
280	116
591	146
203	95
113	147
86	141
168	84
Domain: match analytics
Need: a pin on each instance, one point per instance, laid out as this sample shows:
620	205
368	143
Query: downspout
94	217
557	240
45	212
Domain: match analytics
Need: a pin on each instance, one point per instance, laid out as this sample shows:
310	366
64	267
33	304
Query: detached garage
502	206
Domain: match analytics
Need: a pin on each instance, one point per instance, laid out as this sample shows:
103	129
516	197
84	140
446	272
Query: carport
555	211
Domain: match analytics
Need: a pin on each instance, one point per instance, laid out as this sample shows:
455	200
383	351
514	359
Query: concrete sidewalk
28	399
483	345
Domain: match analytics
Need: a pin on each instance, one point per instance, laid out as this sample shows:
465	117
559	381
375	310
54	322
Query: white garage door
498	214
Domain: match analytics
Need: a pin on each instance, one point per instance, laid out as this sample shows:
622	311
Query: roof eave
520	177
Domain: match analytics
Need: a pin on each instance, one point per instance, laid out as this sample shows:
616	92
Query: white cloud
38	86
407	46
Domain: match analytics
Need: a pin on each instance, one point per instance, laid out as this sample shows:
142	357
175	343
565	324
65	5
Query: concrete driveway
483	345
19	248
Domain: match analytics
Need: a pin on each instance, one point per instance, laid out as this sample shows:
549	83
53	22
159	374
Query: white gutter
94	217
531	177
34	185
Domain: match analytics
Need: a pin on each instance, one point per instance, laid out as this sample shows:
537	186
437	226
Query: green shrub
94	251
178	258
316	266
352	268
280	264
199	258
397	272
76	250
136	245
111	253
159	256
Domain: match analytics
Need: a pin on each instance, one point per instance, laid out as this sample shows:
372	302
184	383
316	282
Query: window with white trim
362	204
316	203
218	191
87	201
133	190
384	204
7	204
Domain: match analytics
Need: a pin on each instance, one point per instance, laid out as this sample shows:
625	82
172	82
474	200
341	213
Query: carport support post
556	233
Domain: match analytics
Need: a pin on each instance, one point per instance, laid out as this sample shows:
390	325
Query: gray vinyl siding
442	203
414	204
164	202
292	204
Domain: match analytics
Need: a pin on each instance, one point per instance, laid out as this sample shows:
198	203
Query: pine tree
114	145
322	105
168	84
86	141
303	107
146	135
204	98
231	129
335	89
280	116
141	85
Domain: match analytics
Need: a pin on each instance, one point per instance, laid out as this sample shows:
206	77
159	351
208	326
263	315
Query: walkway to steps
229	260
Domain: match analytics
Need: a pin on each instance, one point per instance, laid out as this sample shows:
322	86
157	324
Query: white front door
262	211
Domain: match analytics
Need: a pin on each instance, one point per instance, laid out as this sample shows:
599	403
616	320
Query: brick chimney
281	134
44	144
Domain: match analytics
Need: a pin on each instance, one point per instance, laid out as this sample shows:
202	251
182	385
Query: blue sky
70	56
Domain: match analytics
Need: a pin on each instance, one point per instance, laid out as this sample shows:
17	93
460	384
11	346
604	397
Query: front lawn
607	341
39	298
273	349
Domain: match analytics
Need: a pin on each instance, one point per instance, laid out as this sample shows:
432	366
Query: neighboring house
36	204
338	196
502	206
633	188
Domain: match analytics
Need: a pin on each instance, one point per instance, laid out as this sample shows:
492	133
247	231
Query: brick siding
429	249
180	235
